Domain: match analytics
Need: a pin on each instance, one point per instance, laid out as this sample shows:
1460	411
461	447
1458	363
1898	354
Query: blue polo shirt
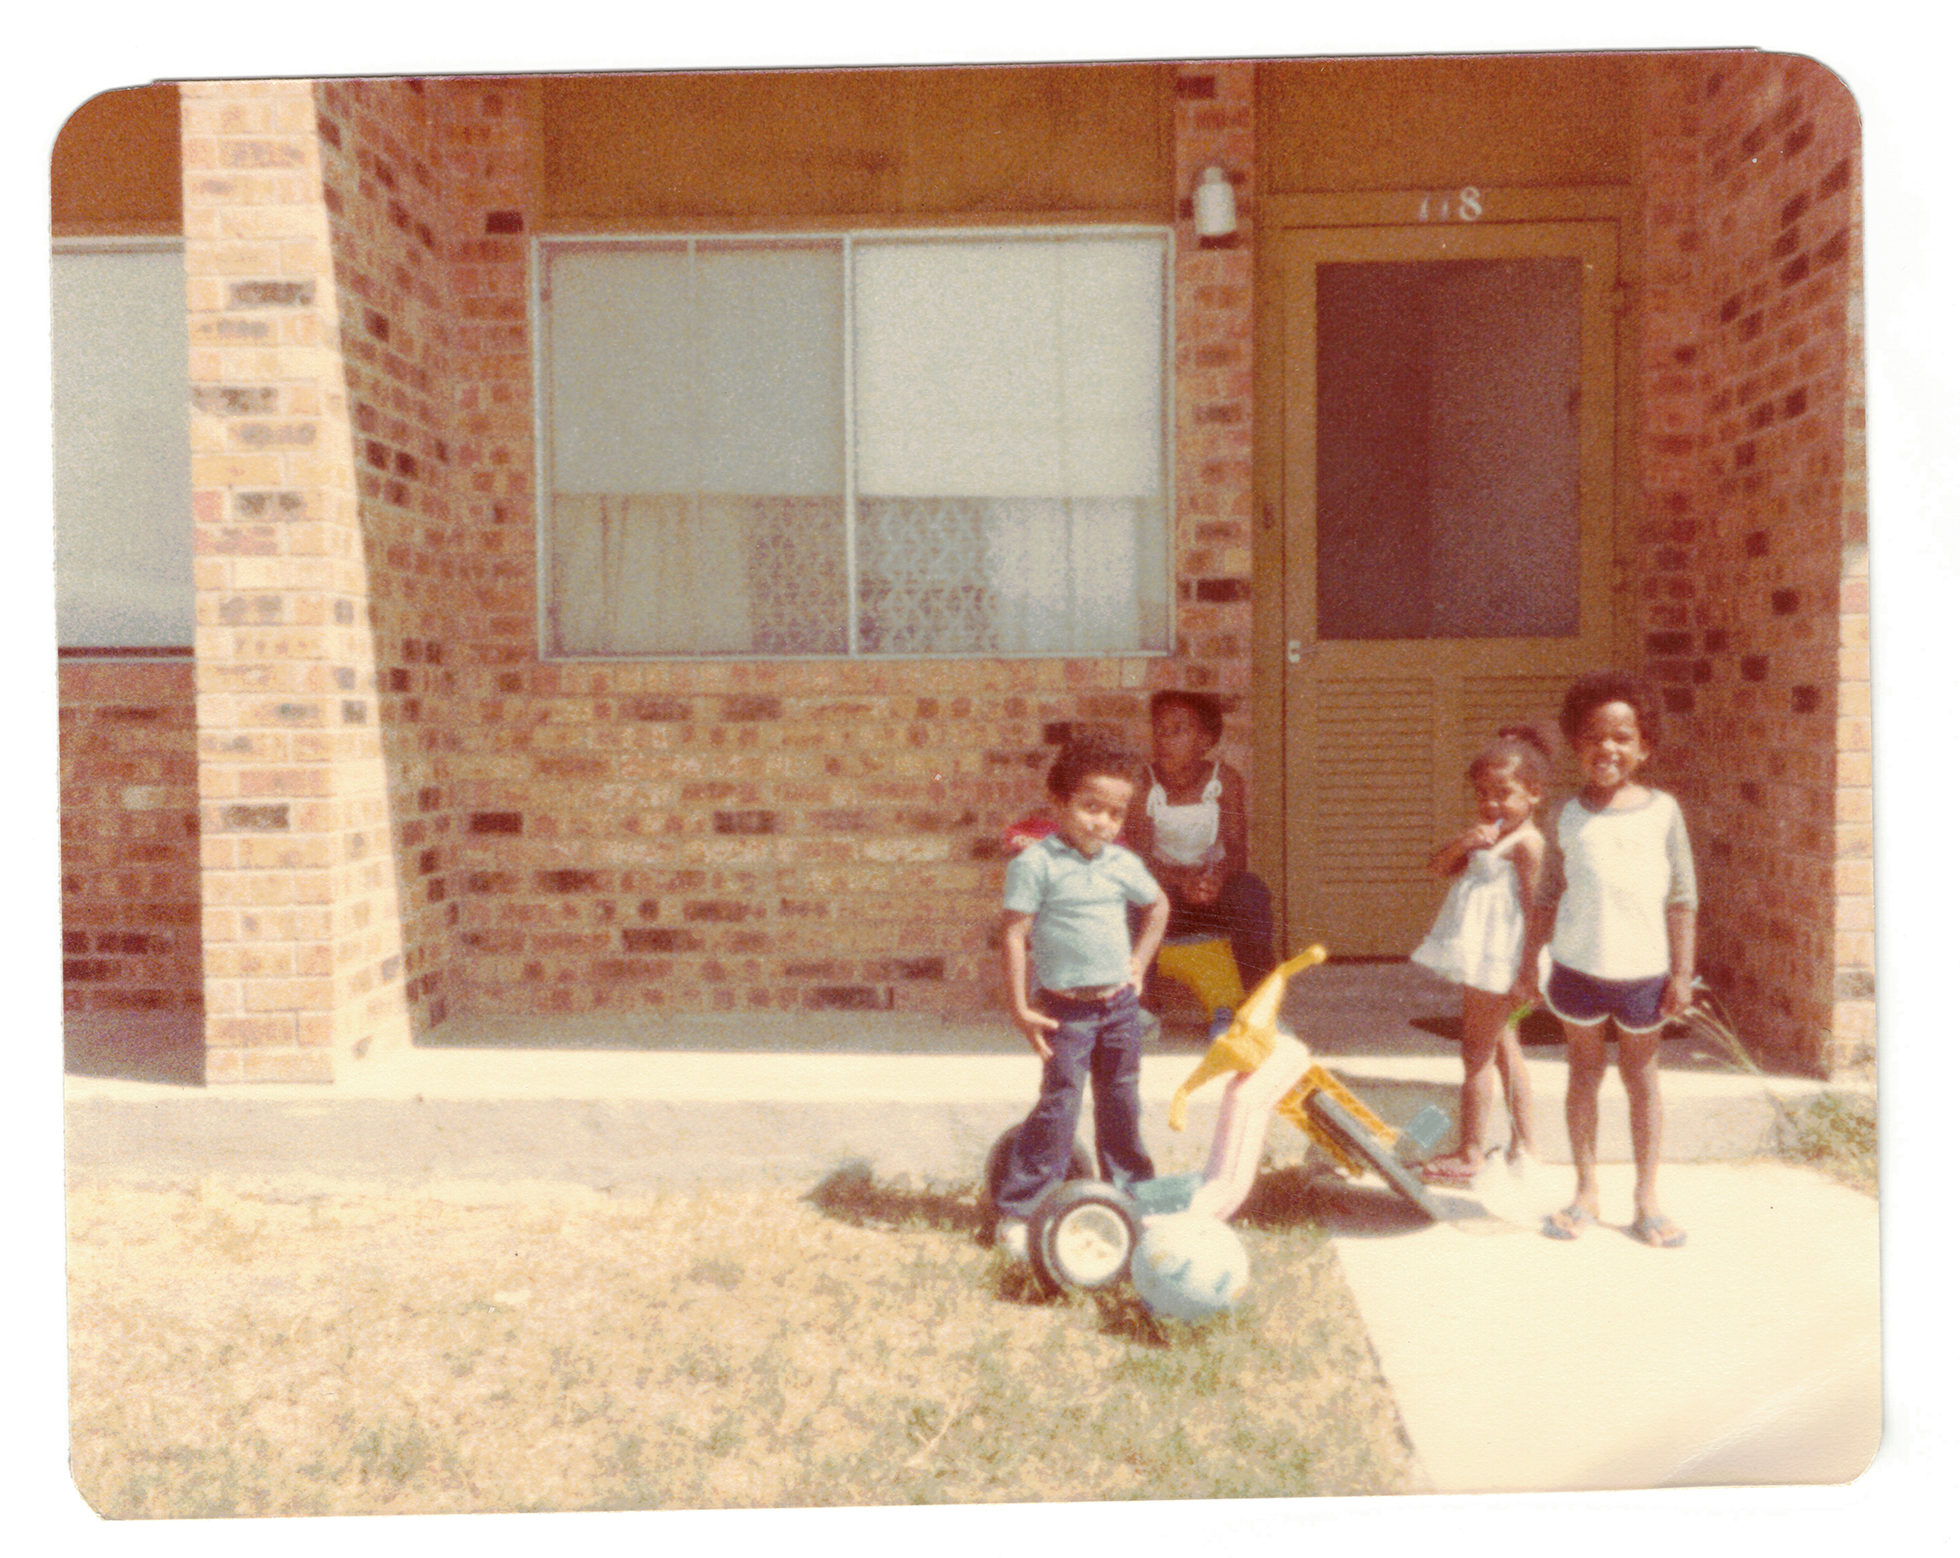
1081	933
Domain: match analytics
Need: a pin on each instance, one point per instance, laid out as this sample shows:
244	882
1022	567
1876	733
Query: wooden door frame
1619	204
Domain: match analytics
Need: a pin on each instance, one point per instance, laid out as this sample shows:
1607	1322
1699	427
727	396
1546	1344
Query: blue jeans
1100	1044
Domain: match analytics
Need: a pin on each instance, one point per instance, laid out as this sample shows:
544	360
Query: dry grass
1838	1133
338	1354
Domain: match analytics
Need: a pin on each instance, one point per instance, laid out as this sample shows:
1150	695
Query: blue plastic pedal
1167	1193
1420	1135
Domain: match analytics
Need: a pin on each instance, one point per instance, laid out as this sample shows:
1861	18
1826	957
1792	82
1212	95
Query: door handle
1292	651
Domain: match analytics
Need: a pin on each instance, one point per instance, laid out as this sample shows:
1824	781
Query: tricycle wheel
1082	1234
1081	1162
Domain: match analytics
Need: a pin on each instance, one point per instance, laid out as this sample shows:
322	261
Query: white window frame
847	239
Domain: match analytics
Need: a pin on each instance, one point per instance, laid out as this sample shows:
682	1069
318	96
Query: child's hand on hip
1035	1028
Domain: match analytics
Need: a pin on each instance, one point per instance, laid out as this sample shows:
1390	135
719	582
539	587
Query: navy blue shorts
1635	1004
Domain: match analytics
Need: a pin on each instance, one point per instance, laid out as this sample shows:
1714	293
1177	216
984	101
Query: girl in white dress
1478	940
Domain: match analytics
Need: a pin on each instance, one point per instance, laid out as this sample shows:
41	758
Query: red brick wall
1212	124
385	188
403	808
1749	559
772	834
129	838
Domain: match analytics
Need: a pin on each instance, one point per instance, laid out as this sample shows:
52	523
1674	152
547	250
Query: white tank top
1185	835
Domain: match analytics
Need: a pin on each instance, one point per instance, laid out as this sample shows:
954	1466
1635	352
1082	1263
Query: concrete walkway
1519	1363
1523	1364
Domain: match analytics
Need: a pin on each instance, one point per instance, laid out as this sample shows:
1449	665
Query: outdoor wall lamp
1213	206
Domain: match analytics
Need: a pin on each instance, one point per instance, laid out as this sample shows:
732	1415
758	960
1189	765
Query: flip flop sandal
1570	1223
1658	1232
1441	1173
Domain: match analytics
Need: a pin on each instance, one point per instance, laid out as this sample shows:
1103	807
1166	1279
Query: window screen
891	446
1447	485
122	477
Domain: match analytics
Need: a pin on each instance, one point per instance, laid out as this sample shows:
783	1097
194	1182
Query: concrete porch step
633	1120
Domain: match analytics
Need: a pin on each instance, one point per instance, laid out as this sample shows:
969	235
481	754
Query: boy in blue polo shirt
1067	904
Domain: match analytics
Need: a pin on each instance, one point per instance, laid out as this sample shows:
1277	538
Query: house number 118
1466	205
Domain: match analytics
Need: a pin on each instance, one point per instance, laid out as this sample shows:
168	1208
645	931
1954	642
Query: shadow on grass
851	1194
1296	1196
1313	1194
1283	1197
1341	1206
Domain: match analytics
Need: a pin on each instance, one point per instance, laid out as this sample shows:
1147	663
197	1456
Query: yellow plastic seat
1204	965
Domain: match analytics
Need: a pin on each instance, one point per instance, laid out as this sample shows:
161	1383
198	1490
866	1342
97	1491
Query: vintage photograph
966	784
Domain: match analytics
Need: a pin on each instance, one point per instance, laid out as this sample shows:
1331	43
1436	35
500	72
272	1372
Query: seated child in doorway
1066	906
1622	941
1191	832
1478	941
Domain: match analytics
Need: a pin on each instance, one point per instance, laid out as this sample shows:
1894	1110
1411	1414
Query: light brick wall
761	835
385	188
302	943
129	838
1750	557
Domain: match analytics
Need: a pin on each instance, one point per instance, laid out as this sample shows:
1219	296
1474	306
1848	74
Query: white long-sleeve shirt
1616	874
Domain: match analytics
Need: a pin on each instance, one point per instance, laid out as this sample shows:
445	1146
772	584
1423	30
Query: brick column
1750	557
1212	124
1854	1012
388	192
301	929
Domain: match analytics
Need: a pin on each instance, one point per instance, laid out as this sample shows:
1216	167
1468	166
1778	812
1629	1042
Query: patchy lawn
1838	1133
556	1349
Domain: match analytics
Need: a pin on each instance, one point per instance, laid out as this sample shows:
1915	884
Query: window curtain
1008	469
1009	437
696	425
638	575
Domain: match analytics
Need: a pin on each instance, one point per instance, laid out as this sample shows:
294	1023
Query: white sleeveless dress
1478	937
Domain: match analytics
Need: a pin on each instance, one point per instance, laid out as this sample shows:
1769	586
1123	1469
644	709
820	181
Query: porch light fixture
1213	205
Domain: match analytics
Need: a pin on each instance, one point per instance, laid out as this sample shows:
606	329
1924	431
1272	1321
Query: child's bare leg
1517	1091
1640	1070
1585	1048
1483	1019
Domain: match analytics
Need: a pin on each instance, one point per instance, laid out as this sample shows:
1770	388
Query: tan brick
1854	805
314	958
263	960
223	471
288	995
1854	1022
282	1065
251	1031
315	1030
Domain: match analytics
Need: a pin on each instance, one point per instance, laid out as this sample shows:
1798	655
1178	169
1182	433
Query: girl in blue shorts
1622	939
